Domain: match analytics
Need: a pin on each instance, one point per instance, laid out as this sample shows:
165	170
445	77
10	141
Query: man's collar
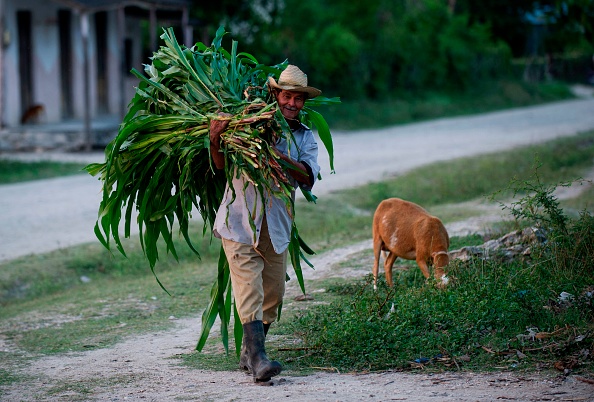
294	124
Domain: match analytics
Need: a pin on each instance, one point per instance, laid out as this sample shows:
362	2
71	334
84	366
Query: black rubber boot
266	328
243	357
256	361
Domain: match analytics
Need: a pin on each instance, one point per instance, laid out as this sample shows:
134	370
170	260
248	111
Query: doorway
102	58
65	29
24	19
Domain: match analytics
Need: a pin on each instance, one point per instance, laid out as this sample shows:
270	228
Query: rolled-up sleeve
308	154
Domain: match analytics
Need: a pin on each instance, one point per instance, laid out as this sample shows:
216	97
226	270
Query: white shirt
233	216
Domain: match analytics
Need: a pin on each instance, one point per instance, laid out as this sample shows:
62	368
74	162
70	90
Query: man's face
290	103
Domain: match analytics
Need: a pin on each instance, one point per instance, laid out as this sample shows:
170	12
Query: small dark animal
404	229
33	114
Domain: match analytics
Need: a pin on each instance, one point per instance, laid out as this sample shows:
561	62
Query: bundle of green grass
159	164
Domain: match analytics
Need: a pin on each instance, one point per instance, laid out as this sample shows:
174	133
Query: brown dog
33	114
404	229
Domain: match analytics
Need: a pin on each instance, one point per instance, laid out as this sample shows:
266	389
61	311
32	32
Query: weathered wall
46	59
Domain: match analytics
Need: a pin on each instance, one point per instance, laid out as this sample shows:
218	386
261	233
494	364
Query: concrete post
122	73
84	28
2	88
187	28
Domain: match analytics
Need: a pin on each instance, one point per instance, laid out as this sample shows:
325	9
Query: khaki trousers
258	278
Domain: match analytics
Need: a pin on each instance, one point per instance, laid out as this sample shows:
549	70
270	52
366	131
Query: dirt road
41	216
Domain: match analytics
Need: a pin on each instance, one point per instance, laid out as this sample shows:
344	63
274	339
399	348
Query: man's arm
216	128
300	172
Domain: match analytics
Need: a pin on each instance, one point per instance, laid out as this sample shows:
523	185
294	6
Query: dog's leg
422	263
388	264
377	251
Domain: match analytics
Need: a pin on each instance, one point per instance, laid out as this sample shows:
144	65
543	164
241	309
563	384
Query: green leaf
323	132
210	314
309	196
304	246
294	252
237	330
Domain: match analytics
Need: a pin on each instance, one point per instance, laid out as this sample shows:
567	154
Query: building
66	63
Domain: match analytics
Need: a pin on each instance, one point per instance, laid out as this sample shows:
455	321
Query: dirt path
40	216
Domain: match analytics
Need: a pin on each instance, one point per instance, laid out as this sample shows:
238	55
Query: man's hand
217	127
298	172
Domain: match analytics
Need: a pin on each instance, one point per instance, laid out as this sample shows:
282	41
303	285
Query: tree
247	20
376	48
505	17
575	19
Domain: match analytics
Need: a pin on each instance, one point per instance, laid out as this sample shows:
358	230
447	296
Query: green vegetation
16	171
383	50
406	107
488	319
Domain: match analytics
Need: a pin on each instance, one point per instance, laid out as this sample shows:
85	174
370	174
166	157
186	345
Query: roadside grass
16	171
496	316
83	297
413	107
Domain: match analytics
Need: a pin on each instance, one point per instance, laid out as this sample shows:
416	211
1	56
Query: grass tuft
412	107
17	171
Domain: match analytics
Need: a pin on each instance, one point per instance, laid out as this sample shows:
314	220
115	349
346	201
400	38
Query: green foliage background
381	49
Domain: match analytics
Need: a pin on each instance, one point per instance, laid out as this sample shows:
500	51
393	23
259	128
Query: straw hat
293	79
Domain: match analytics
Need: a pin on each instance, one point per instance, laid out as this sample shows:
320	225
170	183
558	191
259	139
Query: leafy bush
570	246
438	50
